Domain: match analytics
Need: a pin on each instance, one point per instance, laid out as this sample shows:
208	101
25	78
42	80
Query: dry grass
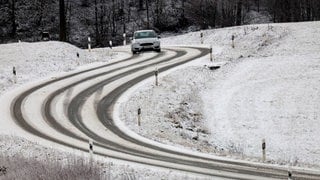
23	159
29	168
48	165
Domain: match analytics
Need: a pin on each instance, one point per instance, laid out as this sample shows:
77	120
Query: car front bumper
145	46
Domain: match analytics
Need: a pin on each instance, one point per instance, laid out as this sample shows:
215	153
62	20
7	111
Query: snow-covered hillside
43	59
268	89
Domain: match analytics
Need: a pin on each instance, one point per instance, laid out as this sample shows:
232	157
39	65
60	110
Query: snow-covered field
267	89
46	59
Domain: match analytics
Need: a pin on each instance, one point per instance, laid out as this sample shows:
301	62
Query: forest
104	20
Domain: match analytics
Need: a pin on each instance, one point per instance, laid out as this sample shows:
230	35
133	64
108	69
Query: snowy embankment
267	89
45	59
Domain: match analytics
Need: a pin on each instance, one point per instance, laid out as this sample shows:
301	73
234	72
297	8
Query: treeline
104	20
294	10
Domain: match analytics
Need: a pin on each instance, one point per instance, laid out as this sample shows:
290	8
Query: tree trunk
63	28
96	22
157	12
183	9
215	13
124	27
40	9
13	19
239	13
203	21
147	8
140	5
68	12
274	12
309	15
287	8
183	20
114	32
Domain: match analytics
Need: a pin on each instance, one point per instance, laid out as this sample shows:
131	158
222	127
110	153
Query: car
145	40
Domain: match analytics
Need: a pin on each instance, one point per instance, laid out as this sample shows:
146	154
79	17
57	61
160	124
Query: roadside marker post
90	147
110	44
289	175
201	37
14	72
263	150
89	44
211	58
156	73
232	38
91	151
124	39
139	116
78	56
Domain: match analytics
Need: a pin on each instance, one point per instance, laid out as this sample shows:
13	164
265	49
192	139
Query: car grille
146	44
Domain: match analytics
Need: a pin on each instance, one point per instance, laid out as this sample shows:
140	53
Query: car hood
146	40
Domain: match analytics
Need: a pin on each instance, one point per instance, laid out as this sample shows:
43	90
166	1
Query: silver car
145	40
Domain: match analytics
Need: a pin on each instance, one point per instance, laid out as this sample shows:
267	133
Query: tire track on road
18	115
106	119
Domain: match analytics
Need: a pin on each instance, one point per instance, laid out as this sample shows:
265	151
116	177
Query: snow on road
268	89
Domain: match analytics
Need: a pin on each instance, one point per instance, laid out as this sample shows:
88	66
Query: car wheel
158	50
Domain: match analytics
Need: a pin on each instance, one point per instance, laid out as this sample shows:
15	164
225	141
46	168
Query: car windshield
145	34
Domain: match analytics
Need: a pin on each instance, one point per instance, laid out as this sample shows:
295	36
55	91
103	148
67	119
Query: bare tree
63	28
141	5
148	18
96	23
108	19
203	13
239	13
228	13
258	5
13	19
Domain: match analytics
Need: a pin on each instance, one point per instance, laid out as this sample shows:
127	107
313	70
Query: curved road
77	107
